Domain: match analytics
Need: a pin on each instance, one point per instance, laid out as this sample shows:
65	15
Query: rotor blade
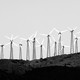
30	37
42	41
51	31
69	28
44	48
43	34
7	44
64	31
56	30
15	37
53	38
23	39
15	44
7	37
37	41
12	37
35	34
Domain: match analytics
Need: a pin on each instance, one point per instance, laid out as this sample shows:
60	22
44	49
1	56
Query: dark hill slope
63	66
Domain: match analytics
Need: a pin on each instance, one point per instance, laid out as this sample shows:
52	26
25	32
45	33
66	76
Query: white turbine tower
27	47
76	43
2	53
72	40
48	42
34	45
41	49
11	45
63	48
20	51
59	42
55	46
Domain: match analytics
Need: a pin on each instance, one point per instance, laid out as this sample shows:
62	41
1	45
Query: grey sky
24	17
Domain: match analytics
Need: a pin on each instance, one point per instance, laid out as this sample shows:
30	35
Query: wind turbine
48	42
41	49
34	45
55	46
27	47
63	48
2	53
20	51
76	43
11	45
72	40
59	42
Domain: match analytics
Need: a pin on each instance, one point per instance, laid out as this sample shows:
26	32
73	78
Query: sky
25	17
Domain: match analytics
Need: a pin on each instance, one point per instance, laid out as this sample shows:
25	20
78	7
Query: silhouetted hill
53	68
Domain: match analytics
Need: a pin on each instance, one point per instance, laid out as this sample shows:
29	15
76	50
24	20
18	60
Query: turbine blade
53	38
30	37
37	41
7	44
64	31
51	31
56	30
23	39
12	37
35	34
42	41
7	37
43	34
69	28
15	37
15	44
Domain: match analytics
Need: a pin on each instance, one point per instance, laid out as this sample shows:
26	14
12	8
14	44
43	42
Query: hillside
53	67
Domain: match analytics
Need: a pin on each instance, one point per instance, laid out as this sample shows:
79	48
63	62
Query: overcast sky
25	17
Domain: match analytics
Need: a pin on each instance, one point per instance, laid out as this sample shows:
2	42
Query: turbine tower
63	50
48	42
41	48
20	51
55	49
48	46
59	42
34	46
72	40
76	42
11	49
41	52
76	45
28	51
34	49
27	47
2	54
11	45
